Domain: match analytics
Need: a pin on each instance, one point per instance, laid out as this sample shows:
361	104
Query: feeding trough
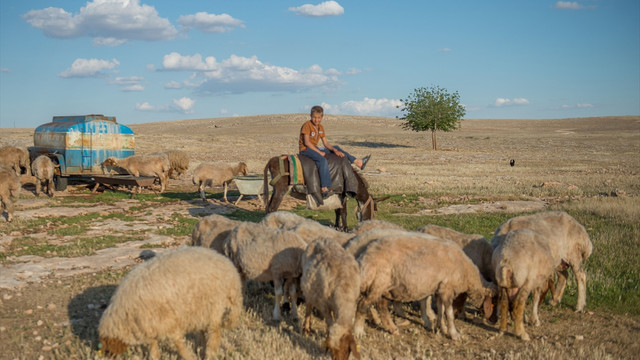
249	185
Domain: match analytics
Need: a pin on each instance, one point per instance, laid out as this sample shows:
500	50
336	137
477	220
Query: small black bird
512	162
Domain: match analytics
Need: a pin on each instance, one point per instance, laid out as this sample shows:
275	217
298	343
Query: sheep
264	254
475	246
307	229
178	160
9	189
409	267
43	170
522	263
569	244
209	174
369	225
143	165
330	283
170	295
16	158
212	231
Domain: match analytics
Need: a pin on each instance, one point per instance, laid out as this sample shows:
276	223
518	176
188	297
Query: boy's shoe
365	161
327	193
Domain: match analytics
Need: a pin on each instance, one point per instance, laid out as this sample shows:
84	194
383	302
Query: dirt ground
49	304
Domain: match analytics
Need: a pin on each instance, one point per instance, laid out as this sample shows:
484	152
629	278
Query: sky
147	61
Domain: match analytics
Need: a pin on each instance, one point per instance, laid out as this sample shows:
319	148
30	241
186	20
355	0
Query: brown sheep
208	174
43	170
16	158
9	189
569	244
143	165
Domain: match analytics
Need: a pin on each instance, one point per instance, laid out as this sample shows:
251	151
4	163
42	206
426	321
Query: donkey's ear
381	199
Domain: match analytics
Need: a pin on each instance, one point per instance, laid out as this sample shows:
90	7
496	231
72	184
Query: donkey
367	204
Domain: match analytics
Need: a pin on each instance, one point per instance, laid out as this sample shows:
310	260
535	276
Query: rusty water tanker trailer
79	144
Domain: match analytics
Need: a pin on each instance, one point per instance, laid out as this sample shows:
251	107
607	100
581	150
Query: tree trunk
434	139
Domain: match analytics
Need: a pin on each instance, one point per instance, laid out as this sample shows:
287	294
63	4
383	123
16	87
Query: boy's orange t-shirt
315	134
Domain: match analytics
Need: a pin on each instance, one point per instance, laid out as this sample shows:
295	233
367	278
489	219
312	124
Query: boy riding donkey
311	133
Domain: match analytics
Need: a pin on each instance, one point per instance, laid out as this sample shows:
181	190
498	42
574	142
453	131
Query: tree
432	109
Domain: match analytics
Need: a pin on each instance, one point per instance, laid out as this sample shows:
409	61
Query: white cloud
327	8
366	106
109	22
444	50
173	85
508	102
5	70
130	83
579	106
175	61
88	68
239	74
210	23
568	5
585	105
182	105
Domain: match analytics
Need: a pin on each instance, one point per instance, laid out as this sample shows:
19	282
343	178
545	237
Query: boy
311	133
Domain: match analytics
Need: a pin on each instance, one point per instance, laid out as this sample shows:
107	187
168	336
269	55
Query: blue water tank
81	143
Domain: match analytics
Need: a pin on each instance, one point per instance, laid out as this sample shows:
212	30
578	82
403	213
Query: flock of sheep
14	161
345	277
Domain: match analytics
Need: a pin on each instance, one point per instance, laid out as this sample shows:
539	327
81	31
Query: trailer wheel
60	182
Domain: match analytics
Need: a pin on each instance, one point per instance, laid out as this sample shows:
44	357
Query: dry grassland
593	164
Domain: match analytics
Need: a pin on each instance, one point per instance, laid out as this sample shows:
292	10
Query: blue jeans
321	163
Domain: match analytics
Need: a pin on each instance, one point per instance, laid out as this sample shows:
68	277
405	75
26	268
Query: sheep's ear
487	306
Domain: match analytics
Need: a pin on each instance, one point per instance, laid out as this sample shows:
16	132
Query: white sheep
264	254
16	158
9	189
307	229
43	170
210	174
169	296
369	225
178	160
212	231
569	244
475	246
330	283
143	165
523	264
410	266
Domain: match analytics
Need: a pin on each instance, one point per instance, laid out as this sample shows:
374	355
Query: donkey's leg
279	191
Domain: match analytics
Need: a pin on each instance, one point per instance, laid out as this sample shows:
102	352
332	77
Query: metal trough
249	185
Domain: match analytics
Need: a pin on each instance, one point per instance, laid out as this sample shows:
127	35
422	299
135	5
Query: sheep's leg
213	340
428	316
385	316
518	314
503	308
38	187
441	310
535	319
581	279
183	349
560	285
201	191
225	192
277	285
7	204
306	327
458	306
50	187
361	313
446	297
291	285
154	352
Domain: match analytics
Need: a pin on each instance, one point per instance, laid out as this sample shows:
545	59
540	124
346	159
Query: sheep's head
110	162
111	347
244	169
346	346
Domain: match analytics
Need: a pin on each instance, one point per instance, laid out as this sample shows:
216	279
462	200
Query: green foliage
433	109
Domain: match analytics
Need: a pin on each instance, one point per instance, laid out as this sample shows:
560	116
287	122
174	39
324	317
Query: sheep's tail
504	276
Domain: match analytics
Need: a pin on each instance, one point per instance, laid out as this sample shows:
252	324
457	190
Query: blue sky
146	61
